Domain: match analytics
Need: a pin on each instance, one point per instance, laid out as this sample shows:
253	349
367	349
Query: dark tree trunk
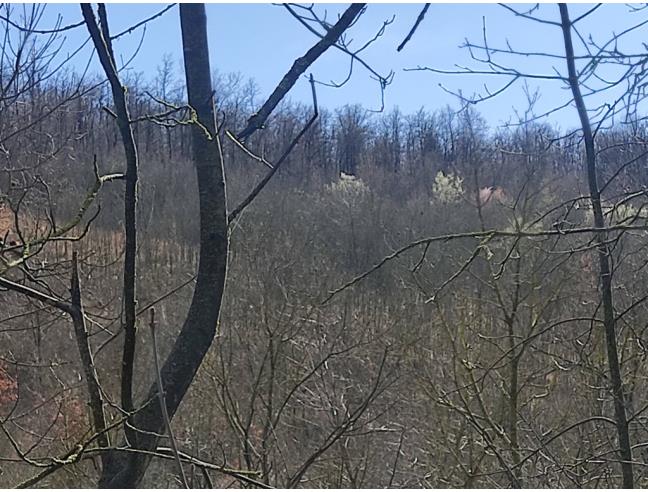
126	470
605	272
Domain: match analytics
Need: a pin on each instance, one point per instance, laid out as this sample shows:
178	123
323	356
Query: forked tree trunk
126	470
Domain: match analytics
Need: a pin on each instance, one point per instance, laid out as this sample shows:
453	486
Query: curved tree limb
126	470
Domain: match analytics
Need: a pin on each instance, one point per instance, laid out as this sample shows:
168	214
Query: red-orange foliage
8	386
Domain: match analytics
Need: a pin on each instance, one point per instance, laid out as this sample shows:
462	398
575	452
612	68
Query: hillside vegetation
413	300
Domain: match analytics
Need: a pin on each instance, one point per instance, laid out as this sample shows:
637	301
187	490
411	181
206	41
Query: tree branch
419	19
275	167
92	379
300	65
102	43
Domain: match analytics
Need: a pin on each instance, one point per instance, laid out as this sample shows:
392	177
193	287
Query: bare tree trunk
126	470
103	45
605	272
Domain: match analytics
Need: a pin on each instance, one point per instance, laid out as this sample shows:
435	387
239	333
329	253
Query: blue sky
261	41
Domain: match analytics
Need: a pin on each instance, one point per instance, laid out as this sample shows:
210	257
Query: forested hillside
413	300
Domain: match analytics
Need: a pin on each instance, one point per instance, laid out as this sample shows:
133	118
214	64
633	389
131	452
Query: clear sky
262	40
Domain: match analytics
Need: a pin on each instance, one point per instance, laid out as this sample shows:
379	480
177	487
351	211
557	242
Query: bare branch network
202	288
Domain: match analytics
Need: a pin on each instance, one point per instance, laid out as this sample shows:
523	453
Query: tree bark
126	470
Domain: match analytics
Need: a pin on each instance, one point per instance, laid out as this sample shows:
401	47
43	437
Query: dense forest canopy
339	297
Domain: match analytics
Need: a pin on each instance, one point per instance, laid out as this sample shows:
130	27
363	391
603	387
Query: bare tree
144	422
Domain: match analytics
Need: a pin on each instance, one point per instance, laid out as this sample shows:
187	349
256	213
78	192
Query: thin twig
163	406
145	21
